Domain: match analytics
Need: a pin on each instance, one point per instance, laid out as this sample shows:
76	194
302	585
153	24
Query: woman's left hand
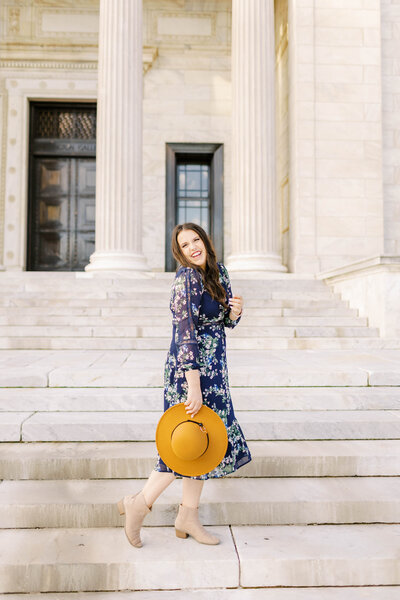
236	304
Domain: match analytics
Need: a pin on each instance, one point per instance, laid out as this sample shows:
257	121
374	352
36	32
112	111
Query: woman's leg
155	485
187	521
191	491
135	507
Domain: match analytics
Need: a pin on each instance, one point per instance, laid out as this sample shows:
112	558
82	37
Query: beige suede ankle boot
187	523
135	509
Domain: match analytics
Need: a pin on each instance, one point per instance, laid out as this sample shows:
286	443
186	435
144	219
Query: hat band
203	429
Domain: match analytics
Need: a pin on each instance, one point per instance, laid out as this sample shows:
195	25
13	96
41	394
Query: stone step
266	285
234	342
267	291
151	332
387	592
244	398
144	368
143	311
54	560
154	301
141	426
325	555
289	367
131	460
164	320
141	374
225	501
163	293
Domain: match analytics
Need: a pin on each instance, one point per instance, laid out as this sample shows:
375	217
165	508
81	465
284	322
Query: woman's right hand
194	401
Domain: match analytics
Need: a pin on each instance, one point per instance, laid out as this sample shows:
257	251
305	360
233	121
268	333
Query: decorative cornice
150	54
32	64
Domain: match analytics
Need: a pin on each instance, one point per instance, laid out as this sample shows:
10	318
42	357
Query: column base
117	261
255	262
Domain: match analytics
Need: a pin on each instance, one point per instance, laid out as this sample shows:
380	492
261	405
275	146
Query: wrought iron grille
79	124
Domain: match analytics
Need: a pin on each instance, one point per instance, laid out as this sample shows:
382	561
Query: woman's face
192	247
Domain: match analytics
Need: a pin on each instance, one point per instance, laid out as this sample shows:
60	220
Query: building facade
273	124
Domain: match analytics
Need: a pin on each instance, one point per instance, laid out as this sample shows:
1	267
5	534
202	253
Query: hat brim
217	446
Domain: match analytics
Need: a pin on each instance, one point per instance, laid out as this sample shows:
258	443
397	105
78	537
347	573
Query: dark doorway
194	192
62	186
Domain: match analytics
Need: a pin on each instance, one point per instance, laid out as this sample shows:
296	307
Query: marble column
255	223
119	139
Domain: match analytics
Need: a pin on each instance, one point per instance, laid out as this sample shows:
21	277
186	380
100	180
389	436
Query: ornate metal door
61	228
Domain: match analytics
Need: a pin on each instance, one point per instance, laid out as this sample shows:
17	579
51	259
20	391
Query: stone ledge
127	460
371	264
225	501
309	593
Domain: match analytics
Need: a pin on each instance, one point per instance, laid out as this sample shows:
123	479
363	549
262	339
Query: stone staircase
314	515
76	310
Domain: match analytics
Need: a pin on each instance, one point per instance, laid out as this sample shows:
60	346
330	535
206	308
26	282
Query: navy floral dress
199	342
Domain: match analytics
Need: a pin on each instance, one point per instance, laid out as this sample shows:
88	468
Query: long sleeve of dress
185	306
227	321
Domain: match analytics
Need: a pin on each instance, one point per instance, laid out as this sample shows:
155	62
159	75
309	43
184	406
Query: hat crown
189	440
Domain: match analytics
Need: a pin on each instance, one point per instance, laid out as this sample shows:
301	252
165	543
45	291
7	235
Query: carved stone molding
150	54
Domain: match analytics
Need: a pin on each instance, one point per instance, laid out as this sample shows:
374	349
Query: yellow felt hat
191	446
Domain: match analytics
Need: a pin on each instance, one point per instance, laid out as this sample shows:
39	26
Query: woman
195	372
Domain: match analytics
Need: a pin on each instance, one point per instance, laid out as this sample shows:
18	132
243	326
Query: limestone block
67	21
324	555
59	560
206	107
26	377
91	426
385	377
10	425
347	92
346	17
80	399
67	377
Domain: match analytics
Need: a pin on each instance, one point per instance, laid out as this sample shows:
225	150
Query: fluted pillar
119	138
255	225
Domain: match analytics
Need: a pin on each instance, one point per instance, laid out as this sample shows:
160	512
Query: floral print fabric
199	342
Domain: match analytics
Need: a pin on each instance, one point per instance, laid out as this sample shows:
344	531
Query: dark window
194	192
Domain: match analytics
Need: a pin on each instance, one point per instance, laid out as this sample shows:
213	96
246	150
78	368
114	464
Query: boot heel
181	534
121	507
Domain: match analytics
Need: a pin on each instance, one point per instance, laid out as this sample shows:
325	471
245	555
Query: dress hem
202	476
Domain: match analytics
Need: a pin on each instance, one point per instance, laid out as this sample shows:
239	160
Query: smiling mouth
196	254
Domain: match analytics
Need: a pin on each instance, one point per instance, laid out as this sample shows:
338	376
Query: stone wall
187	98
338	110
391	123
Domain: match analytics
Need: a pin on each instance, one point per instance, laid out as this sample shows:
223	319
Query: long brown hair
210	275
